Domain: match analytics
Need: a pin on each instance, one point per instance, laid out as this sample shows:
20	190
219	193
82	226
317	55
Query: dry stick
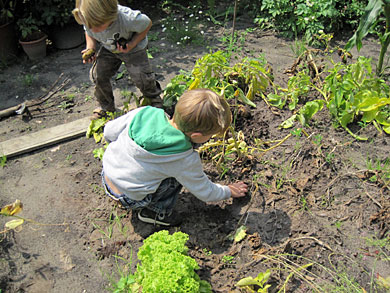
373	199
234	19
247	209
49	93
10	111
311	238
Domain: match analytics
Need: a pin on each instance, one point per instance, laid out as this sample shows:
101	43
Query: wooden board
43	138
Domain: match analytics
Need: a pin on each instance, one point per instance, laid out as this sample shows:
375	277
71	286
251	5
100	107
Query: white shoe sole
151	221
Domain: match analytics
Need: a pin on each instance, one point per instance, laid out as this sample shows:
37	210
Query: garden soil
313	202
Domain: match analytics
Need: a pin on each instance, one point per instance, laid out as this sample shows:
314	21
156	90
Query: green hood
151	130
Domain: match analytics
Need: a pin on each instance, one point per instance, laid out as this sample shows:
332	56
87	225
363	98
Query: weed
28	79
3	161
338	224
296	132
298	47
125	280
227	259
207	252
153	36
87	98
121	73
96	188
113	221
381	246
317	139
68	102
314	276
381	168
70	97
260	281
329	157
153	50
68	158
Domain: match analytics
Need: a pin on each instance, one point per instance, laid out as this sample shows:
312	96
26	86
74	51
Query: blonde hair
202	110
94	13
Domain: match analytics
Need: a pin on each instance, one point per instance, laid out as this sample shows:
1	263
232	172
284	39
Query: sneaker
151	217
98	113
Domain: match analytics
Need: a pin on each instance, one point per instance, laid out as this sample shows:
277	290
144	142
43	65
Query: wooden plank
44	137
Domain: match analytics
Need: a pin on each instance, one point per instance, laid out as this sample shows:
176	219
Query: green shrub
307	17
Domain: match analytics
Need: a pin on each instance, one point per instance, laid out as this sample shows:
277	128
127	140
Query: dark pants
161	202
140	71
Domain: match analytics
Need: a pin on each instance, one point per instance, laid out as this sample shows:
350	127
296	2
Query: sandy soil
300	204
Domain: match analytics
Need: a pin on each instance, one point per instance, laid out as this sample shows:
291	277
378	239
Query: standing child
150	157
122	32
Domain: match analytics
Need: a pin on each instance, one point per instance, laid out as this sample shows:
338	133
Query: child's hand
88	55
125	48
238	189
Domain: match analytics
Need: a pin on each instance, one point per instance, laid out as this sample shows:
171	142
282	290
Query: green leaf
248	281
289	122
369	17
346	118
240	234
244	99
276	100
14	223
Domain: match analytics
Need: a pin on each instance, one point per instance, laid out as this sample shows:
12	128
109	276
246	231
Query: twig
247	208
35	102
311	238
373	199
234	19
49	93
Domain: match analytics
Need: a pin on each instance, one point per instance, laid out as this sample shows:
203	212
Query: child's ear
195	135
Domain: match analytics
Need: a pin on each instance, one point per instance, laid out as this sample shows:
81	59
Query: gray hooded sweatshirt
165	152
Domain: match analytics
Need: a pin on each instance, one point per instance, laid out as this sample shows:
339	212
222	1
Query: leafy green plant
55	12
29	27
164	264
7	10
260	281
306	18
369	20
355	92
241	81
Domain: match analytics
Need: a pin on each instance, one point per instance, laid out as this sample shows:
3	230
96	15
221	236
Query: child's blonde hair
94	13
202	110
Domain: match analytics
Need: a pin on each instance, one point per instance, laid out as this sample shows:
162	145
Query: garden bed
316	214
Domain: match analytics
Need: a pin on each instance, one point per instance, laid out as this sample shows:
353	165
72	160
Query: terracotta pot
8	43
68	37
35	49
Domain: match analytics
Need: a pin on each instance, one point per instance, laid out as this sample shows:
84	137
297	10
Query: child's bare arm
238	189
89	52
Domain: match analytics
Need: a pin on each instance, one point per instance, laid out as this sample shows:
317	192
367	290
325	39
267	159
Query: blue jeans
162	201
